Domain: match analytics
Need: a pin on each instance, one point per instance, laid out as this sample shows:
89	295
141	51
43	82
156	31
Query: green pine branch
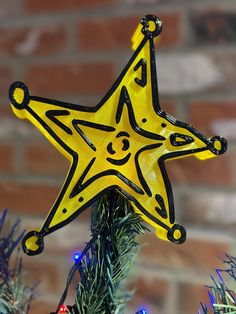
15	295
106	265
222	296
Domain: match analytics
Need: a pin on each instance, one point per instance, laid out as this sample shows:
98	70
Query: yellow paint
217	145
31	243
19	95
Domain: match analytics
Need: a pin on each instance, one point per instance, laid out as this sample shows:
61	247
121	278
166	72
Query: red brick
70	78
194	255
5	79
191	296
205	115
62	243
41	307
5	111
213	26
201	72
225	64
12	127
151	292
45	273
190	170
168	106
171	35
45	160
38	6
6	158
37	40
210	209
27	198
115	33
69	239
10	9
72	289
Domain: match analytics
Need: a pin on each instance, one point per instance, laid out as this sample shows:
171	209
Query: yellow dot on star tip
19	95
151	26
217	145
31	243
177	234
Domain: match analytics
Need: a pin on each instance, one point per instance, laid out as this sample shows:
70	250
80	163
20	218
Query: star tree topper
121	144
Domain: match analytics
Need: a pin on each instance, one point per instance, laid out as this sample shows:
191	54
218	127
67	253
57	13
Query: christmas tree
15	294
107	258
222	293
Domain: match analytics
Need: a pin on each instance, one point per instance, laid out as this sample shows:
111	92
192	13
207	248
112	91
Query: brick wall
73	50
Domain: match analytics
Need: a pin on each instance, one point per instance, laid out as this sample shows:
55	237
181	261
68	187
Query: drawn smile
119	162
115	149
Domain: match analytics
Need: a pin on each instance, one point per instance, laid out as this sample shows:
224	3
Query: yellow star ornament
121	144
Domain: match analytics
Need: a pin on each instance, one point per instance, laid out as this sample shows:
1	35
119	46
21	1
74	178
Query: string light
63	309
143	311
76	257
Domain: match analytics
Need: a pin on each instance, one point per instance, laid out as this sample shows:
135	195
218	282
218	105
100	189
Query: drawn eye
177	139
110	149
125	144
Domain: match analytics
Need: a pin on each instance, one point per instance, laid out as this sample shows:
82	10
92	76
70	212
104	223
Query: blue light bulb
76	257
142	311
